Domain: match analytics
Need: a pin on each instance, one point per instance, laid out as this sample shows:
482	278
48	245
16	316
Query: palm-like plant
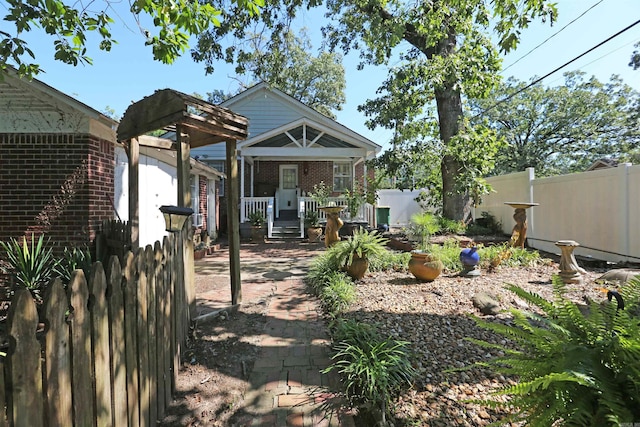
30	263
423	225
576	368
362	244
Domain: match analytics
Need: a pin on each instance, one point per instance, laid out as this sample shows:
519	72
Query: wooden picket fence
103	352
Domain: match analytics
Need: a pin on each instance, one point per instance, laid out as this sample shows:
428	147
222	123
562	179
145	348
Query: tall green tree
560	129
70	25
317	81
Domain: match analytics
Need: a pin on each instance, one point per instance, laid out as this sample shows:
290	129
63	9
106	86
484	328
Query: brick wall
60	185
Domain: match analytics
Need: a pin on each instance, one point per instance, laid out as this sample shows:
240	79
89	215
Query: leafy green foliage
363	244
423	225
505	255
560	129
320	194
485	225
355	199
72	259
338	293
390	260
256	218
311	219
574	368
449	226
30	263
373	370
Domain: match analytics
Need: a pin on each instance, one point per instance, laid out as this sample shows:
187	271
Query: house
61	170
290	148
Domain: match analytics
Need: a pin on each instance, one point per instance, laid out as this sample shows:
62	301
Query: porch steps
286	230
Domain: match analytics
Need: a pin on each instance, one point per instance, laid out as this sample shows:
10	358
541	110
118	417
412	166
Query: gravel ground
433	317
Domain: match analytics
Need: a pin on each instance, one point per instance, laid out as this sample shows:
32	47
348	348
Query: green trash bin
382	215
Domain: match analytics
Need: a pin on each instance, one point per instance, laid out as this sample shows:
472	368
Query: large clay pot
424	267
257	233
358	267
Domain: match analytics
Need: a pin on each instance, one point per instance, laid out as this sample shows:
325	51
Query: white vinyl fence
599	209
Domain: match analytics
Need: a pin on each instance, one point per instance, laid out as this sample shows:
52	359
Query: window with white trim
342	176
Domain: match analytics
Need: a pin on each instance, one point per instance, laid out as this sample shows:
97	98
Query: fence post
625	208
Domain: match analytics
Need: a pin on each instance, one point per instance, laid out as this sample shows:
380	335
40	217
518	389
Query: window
342	176
195	200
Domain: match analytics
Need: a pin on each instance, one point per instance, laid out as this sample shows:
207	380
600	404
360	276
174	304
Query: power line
551	36
535	82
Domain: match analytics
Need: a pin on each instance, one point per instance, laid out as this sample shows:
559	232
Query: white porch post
252	170
243	211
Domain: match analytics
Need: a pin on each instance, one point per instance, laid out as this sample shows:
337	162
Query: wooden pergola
196	123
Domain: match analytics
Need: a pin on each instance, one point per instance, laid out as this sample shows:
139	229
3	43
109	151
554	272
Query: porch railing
248	205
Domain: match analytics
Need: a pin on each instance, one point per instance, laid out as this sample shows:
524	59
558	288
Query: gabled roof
310	117
21	99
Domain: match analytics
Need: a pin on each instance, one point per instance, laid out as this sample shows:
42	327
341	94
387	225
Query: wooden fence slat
175	310
166	309
81	375
131	339
143	338
117	336
156	264
57	357
100	346
160	341
3	396
26	407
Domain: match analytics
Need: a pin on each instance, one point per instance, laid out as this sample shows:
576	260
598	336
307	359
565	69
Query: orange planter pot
424	267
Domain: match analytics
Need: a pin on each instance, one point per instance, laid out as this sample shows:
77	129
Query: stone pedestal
570	271
334	223
519	232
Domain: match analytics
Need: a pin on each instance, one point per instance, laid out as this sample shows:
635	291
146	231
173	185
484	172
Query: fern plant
575	368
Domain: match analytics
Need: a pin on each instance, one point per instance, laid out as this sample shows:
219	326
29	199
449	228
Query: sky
128	73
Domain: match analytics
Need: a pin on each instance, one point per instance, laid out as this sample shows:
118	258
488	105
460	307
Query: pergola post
133	152
233	221
183	157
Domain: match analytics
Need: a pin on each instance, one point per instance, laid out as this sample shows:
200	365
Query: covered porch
279	169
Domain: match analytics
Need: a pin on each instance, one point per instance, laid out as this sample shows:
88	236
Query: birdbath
519	233
334	223
570	271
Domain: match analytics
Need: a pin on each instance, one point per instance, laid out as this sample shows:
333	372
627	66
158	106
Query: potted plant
423	265
320	194
312	223
353	253
355	199
257	221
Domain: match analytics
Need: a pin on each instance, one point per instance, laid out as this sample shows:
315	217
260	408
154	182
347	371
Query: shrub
390	260
484	226
574	368
363	244
256	218
73	259
321	270
422	226
374	370
506	255
338	293
451	226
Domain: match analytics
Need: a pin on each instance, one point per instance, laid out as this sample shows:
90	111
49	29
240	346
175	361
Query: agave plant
30	263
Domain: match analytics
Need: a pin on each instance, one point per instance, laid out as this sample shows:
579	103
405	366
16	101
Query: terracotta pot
357	268
424	267
314	234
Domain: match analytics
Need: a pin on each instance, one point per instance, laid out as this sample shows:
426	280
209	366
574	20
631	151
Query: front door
288	190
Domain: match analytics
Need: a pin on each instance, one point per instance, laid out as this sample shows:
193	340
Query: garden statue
334	223
570	271
519	232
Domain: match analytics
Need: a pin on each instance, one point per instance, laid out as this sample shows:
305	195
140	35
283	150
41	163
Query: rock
487	304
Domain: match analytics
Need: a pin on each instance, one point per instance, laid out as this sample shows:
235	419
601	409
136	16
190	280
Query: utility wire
535	82
551	36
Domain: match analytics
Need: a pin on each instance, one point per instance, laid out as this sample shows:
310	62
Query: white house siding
158	186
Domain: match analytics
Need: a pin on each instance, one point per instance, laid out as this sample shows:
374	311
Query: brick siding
60	185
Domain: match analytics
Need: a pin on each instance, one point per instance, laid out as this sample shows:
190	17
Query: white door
288	193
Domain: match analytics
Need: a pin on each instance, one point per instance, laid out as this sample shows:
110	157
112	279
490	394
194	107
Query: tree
318	81
635	58
560	129
448	54
70	25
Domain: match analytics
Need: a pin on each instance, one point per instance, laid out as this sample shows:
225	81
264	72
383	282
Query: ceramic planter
424	267
314	234
257	233
358	267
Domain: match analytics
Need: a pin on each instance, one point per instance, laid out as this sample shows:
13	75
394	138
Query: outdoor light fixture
174	217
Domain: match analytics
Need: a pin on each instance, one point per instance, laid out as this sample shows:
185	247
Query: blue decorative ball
469	256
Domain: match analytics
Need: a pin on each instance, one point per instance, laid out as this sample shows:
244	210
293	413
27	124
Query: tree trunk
455	206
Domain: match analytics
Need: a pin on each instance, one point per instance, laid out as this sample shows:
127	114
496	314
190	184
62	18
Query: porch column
233	221
242	190
253	168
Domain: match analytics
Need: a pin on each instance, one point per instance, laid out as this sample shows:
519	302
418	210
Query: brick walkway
287	386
